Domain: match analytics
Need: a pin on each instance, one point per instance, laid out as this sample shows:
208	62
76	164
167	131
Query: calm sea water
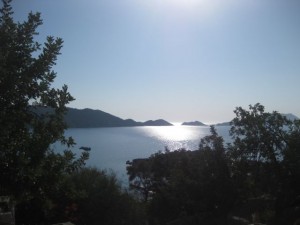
112	147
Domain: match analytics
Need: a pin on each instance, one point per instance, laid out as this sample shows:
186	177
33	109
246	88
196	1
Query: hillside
222	124
88	118
159	122
193	123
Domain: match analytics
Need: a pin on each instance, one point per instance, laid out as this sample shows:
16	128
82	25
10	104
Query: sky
179	60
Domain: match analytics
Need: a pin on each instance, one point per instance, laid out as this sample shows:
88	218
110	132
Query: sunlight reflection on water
177	133
112	147
175	137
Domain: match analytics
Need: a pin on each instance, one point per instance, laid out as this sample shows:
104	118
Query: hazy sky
179	60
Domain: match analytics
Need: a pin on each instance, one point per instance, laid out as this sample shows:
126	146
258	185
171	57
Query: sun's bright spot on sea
177	136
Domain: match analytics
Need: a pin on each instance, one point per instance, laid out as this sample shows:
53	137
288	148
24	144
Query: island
159	122
222	124
193	123
90	118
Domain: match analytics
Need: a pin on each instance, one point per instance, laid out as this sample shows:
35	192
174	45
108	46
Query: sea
112	147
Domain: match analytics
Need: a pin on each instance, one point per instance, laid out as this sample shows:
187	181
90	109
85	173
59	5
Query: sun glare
186	7
183	4
174	133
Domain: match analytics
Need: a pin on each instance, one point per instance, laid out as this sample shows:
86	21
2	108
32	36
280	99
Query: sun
183	4
187	10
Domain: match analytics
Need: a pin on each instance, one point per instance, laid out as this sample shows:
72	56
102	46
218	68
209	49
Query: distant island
193	123
89	118
159	122
222	124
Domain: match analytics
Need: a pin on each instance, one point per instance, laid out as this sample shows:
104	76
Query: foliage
258	135
47	186
255	178
187	187
29	167
90	196
265	162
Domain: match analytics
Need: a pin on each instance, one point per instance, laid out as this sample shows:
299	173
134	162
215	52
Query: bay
112	147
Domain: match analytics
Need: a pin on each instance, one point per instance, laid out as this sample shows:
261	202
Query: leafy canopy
255	178
28	164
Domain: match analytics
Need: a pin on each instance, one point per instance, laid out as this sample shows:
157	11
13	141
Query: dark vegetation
254	179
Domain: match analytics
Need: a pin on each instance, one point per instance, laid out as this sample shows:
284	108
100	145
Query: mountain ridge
93	118
193	123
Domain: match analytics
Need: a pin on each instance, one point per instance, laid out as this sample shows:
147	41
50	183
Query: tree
91	196
29	166
265	162
258	135
253	179
187	187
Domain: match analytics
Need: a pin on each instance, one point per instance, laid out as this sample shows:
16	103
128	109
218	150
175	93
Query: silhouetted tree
254	179
29	168
265	163
186	187
91	196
